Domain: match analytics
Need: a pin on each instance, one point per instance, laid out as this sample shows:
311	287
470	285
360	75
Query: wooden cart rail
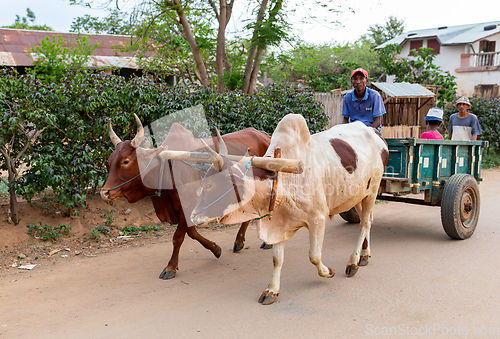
425	166
446	172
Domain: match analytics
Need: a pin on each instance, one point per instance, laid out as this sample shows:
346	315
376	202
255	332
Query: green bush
71	153
488	113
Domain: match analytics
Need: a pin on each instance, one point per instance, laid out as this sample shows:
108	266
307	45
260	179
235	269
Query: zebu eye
209	186
126	162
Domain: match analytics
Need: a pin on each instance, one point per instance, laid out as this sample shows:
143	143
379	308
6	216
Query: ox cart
435	173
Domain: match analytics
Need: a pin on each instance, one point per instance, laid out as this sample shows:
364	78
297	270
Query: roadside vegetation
53	133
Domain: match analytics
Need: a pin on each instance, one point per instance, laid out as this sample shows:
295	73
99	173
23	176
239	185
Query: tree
18	132
28	22
379	34
323	67
55	56
174	33
419	68
117	22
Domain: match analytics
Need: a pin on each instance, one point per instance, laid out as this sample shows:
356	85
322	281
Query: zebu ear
149	153
236	180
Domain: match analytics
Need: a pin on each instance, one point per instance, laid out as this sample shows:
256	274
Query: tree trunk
203	74
229	11
221	47
251	53
261	49
14	206
255	71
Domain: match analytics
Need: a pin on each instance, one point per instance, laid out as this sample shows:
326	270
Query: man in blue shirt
363	104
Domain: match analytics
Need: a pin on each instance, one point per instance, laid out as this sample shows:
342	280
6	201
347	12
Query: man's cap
360	70
463	100
435	114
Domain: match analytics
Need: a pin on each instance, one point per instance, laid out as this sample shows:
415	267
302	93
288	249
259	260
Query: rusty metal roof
403	90
15	48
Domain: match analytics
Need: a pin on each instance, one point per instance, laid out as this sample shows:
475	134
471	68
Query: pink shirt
431	135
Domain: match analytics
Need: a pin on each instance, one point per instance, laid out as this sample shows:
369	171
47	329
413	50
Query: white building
469	52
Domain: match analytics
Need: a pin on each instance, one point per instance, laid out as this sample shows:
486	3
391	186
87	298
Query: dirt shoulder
17	247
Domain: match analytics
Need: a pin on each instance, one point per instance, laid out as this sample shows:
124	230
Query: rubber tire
351	216
459	188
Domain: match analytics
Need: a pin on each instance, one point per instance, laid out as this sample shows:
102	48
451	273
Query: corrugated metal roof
452	35
403	90
15	48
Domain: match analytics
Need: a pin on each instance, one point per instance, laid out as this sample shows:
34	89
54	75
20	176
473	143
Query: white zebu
343	167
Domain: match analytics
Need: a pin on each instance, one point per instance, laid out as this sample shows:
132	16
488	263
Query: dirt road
418	282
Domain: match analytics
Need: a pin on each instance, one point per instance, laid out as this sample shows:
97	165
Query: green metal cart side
445	172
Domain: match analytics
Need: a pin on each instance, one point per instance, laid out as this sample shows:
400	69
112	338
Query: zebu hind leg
270	295
361	252
365	249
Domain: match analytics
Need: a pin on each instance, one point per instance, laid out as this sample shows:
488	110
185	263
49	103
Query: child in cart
433	120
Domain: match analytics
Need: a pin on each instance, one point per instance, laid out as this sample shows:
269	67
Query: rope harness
138	175
277	154
248	164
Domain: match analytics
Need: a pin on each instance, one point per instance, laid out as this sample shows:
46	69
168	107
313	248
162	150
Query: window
434	44
486	49
486	91
486	46
416	44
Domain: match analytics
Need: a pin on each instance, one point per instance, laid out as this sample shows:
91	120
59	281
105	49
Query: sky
418	14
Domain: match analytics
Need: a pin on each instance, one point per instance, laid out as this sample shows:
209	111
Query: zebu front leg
270	295
316	237
361	253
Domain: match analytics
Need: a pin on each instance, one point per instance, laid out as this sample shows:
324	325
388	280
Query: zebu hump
291	131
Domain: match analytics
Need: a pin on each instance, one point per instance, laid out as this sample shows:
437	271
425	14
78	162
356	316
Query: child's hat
435	114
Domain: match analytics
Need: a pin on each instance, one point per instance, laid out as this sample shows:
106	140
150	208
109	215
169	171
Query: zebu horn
221	143
140	133
112	135
213	154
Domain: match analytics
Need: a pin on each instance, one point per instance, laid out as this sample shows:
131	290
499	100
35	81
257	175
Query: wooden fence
332	105
404	117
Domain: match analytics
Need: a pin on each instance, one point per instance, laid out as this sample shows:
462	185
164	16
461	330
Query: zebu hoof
331	272
267	297
265	246
363	261
351	270
237	248
218	251
167	274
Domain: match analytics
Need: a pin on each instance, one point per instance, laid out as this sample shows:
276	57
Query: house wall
449	59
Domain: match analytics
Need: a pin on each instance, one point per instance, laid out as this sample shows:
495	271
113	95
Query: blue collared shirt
366	110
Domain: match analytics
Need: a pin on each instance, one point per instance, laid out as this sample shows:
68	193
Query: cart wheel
351	216
460	206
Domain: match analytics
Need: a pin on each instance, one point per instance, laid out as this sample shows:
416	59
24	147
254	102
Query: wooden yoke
267	163
272	164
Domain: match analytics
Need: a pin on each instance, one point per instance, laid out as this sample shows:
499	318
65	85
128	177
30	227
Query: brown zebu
124	180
